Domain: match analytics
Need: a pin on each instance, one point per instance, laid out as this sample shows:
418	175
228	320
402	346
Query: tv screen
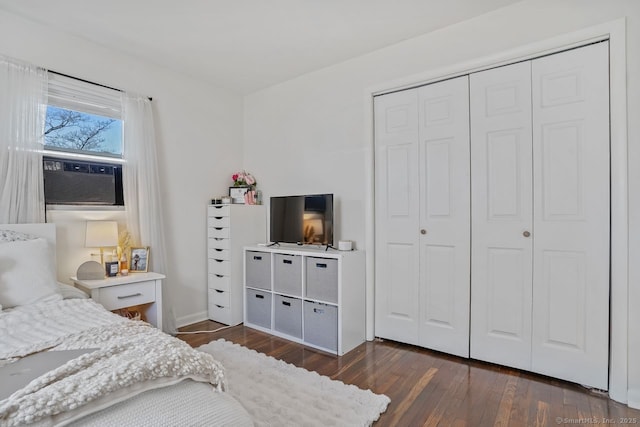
306	219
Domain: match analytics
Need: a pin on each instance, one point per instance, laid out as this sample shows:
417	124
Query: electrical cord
202	332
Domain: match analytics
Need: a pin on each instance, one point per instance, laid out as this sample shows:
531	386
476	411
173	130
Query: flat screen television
303	220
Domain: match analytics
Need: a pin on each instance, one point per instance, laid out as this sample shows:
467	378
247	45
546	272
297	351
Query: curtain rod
90	82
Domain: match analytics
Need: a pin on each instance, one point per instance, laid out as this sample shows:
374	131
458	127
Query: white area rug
276	393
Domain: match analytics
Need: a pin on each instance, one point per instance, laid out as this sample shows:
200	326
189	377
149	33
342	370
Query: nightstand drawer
219	243
219	281
219	297
121	296
219	267
219	232
216	253
218	221
218	210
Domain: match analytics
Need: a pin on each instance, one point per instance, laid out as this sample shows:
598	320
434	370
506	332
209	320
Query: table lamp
101	234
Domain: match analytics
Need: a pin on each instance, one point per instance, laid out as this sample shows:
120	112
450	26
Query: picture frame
237	194
139	260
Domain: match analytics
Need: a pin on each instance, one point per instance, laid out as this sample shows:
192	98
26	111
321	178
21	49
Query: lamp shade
101	234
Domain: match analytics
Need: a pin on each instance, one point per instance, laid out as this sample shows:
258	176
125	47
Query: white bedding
133	359
120	383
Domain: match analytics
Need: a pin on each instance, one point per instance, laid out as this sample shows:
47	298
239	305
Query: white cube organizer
311	296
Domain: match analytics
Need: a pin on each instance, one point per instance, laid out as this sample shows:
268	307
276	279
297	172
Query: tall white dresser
229	229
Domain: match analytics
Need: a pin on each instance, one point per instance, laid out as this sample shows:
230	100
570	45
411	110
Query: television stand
307	295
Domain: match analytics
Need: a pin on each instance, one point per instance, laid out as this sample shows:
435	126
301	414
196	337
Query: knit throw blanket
131	357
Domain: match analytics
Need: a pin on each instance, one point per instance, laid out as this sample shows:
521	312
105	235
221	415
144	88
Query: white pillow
27	273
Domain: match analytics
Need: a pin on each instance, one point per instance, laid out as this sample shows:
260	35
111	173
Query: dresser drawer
219	281
115	297
218	221
220	313
219	267
219	243
218	210
219	253
219	232
219	297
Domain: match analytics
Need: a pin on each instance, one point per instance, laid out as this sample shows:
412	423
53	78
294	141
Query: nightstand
118	292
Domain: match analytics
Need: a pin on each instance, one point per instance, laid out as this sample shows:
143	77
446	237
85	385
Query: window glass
80	132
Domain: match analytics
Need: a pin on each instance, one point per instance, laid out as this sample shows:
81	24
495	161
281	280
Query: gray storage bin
287	274
258	269
322	279
321	325
259	308
287	315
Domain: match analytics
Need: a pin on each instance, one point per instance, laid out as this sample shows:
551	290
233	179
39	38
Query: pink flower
243	178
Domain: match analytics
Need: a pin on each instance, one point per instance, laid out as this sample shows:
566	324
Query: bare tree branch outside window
68	129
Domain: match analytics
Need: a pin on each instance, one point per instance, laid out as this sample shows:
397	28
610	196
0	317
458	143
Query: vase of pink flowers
244	179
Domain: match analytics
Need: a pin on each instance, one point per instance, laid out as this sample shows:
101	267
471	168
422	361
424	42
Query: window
83	144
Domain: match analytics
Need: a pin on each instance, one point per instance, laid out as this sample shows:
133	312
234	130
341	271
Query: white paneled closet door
501	215
444	216
422	216
571	215
397	301
540	215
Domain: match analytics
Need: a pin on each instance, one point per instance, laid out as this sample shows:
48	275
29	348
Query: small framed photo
237	194
139	260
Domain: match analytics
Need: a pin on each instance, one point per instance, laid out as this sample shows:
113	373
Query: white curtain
140	181
23	107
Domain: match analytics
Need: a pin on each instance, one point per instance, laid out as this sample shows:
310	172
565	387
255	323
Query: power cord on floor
202	332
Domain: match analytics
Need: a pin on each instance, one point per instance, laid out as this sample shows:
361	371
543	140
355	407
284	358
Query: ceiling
247	45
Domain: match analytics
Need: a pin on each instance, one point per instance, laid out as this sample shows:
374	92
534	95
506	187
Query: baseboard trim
191	319
633	398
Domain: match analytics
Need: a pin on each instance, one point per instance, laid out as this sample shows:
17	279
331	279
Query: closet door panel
397	219
572	224
444	215
501	212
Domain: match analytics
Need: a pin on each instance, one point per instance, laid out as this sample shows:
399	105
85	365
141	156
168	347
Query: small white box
345	245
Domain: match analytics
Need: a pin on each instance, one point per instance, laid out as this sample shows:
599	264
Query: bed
118	372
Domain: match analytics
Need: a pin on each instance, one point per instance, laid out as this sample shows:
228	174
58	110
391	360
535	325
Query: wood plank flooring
433	389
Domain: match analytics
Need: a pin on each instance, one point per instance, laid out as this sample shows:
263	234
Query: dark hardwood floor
433	389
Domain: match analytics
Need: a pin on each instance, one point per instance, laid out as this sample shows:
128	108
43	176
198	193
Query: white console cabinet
230	228
311	296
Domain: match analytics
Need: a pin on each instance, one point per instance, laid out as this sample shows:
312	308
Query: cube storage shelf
311	296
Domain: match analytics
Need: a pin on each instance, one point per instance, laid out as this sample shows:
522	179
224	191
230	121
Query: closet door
501	212
571	228
397	218
444	216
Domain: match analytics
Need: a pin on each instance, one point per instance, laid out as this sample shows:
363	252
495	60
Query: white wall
199	130
309	134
